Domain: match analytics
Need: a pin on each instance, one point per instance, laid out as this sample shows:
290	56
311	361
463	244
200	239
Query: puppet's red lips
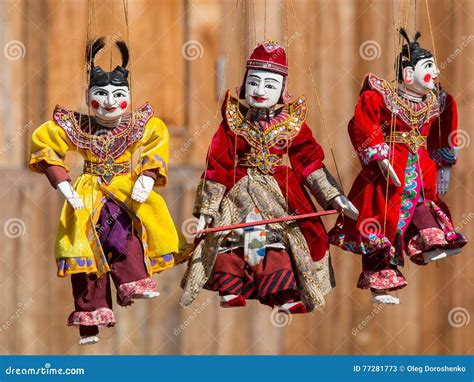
259	99
110	108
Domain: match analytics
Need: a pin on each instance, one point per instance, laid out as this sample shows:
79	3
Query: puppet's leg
129	274
232	278
381	276
427	240
93	306
126	258
277	283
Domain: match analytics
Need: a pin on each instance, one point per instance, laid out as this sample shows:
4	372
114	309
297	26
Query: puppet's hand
142	188
204	221
71	195
386	167
344	205
443	177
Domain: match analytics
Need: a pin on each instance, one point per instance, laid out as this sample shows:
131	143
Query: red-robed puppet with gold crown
286	265
409	134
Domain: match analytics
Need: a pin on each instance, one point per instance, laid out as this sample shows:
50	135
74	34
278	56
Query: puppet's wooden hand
344	205
386	167
71	195
443	177
142	188
204	221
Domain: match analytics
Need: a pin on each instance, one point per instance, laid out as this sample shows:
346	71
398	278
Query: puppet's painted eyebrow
253	75
272	79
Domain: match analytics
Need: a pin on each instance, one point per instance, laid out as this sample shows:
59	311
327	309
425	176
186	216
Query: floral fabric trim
374	153
387	279
430	238
323	186
99	317
125	292
410	194
363	246
426	240
445	156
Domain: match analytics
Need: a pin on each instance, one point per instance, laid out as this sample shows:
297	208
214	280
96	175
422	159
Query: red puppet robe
410	219
245	168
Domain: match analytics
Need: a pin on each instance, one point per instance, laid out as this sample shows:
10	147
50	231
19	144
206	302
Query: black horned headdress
411	52
100	77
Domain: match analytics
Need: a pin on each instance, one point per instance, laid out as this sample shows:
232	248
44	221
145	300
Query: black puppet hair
100	77
411	53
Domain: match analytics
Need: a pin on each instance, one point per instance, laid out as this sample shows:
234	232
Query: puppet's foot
146	295
144	289
384	298
292	308
232	301
88	340
439	254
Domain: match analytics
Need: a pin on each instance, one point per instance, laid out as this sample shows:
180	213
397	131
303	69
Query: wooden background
184	54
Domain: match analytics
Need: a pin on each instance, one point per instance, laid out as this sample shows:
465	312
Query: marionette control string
241	59
132	117
397	45
226	59
403	17
438	87
92	24
238	101
315	90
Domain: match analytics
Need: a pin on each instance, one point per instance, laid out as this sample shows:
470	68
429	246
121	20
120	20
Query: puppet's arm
442	142
367	136
153	168
217	177
49	145
306	157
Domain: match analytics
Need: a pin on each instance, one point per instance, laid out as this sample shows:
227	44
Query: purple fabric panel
114	227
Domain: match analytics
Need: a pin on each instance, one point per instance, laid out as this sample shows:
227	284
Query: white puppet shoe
439	253
88	340
146	295
384	298
292	308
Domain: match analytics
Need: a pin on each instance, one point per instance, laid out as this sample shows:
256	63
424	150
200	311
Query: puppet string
318	101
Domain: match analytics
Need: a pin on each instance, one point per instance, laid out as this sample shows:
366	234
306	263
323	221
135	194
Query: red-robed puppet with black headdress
281	264
408	133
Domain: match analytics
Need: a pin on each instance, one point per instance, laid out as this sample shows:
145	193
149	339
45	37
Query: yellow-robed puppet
113	223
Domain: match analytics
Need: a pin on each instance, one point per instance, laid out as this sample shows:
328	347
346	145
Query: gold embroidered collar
428	110
279	130
283	128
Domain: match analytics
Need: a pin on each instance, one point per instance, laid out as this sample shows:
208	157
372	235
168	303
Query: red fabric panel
55	174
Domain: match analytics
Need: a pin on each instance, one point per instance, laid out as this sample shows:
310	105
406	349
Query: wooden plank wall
184	55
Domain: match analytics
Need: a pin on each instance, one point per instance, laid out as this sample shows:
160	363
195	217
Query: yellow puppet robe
78	248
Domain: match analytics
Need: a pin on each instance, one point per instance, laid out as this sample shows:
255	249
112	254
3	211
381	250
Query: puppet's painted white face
423	77
109	102
263	88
